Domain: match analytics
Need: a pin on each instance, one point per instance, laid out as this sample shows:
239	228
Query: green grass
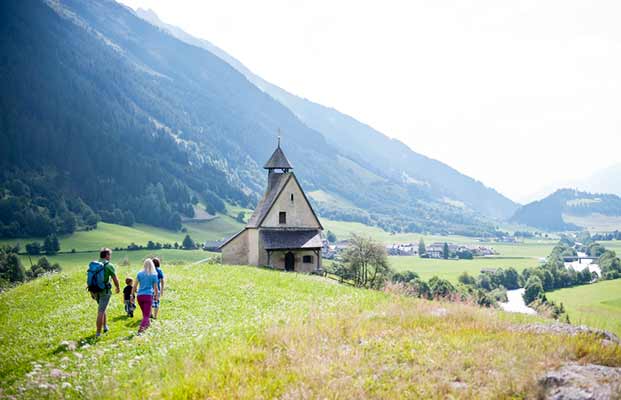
242	332
344	230
451	269
597	305
110	235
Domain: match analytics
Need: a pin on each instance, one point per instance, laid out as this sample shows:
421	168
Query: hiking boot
106	329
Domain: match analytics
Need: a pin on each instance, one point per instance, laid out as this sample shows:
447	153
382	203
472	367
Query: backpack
95	277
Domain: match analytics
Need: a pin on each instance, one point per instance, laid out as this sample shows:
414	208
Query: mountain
104	116
568	209
365	145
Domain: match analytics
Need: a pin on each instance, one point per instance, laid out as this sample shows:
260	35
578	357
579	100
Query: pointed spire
278	160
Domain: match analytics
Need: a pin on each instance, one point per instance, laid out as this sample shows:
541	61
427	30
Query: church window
307	259
292	197
282	217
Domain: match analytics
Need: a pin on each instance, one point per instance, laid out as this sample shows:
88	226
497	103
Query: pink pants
145	301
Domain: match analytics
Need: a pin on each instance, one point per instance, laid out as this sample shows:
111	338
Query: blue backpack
95	277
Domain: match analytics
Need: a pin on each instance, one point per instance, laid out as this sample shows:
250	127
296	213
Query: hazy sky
521	95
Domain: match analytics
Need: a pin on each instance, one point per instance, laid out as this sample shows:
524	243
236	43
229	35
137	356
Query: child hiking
160	287
129	298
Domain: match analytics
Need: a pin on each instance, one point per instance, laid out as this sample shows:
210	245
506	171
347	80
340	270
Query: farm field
243	332
451	269
344	230
598	304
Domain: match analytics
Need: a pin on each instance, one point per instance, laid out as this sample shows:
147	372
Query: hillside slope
368	147
241	332
105	115
550	213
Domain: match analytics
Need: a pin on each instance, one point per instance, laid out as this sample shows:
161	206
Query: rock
582	382
567	329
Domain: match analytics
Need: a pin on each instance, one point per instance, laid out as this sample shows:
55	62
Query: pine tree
421	247
188	243
445	252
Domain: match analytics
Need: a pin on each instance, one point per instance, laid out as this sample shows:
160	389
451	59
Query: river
516	302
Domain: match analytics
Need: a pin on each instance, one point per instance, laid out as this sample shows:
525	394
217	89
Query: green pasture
597	304
111	235
451	269
242	332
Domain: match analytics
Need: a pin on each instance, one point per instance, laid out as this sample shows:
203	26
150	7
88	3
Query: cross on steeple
278	160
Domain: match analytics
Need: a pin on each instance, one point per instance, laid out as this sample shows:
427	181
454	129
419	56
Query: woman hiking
145	287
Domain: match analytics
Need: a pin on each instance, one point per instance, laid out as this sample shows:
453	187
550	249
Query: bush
533	289
439	287
407	276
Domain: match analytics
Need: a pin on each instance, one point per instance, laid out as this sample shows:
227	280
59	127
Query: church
283	232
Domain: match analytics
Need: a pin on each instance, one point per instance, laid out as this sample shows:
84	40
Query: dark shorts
102	299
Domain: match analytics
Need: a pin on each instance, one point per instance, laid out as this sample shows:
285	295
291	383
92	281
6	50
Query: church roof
291	239
278	160
276	186
265	204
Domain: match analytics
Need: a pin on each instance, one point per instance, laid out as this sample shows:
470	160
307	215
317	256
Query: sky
521	95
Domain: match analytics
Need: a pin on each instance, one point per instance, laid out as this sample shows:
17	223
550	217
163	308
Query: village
435	250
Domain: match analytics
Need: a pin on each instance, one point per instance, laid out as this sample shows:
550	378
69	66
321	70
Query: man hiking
103	294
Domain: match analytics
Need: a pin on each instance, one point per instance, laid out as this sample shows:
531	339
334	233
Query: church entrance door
289	261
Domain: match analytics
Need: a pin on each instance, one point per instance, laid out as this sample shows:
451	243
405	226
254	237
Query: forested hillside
106	117
548	213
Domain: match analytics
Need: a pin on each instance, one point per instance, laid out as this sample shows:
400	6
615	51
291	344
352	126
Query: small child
130	304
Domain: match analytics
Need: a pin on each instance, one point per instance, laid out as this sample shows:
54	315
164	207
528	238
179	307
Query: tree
421	247
405	277
533	289
33	248
440	287
466	279
331	237
128	218
465	255
51	245
11	269
445	251
367	262
68	222
188	243
240	217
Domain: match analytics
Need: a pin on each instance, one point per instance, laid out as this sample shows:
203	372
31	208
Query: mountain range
363	144
106	116
570	209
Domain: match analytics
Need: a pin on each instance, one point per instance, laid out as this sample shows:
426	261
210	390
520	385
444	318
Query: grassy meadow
112	235
597	304
242	332
451	269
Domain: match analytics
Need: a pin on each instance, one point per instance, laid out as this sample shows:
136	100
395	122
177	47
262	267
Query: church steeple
278	160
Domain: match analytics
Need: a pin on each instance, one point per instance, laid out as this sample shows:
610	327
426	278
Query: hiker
129	298
98	281
145	287
160	287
